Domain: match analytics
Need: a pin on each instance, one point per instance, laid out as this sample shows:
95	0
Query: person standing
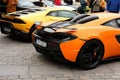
97	5
11	5
3	7
102	5
7	6
82	8
113	6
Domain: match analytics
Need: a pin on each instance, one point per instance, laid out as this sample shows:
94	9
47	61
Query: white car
48	3
26	4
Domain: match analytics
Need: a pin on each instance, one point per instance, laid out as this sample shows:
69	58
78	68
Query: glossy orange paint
70	49
88	31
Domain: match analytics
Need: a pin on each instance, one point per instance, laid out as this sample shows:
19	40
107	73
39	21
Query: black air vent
118	38
25	12
14	15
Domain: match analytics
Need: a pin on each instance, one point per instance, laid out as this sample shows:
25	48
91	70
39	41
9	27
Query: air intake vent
118	38
14	15
25	12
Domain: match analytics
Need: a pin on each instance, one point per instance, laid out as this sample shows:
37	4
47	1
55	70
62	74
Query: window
66	14
62	13
112	23
53	13
118	21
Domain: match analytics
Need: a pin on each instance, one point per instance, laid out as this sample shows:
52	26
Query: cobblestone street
20	61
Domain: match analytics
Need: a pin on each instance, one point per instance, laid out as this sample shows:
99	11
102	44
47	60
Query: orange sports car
85	39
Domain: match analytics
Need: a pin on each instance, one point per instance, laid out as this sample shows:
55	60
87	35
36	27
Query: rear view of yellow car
23	21
85	39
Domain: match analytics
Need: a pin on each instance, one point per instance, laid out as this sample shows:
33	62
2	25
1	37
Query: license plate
41	43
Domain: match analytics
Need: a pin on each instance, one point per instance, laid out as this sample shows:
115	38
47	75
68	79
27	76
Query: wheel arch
10	25
86	42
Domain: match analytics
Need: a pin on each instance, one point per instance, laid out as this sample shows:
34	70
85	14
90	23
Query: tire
6	28
90	55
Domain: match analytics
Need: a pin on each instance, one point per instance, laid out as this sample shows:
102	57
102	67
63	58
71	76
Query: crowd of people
95	5
101	5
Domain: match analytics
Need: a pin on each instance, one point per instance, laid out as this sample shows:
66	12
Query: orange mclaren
85	39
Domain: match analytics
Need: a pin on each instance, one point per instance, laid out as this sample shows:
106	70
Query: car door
115	23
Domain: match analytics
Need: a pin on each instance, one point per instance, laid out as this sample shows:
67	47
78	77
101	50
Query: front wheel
90	54
6	28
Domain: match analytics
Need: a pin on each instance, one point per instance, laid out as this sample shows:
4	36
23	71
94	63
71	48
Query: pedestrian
113	6
82	8
57	2
102	5
97	5
3	7
11	5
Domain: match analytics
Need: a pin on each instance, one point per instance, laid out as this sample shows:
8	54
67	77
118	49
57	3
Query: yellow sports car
85	39
23	21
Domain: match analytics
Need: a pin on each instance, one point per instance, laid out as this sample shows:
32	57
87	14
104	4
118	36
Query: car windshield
25	4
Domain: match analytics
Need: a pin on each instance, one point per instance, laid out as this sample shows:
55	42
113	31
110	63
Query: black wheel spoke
91	54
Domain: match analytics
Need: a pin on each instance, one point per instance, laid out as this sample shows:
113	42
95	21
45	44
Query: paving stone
36	76
24	76
84	78
117	79
6	70
114	76
48	69
63	78
51	78
100	79
20	61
